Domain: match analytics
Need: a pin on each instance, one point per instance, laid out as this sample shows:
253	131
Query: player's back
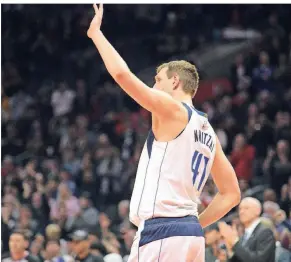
171	175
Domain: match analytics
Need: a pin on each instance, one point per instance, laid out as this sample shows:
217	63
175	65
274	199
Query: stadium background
71	139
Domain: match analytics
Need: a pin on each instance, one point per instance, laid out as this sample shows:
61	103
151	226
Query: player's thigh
183	249
147	253
133	257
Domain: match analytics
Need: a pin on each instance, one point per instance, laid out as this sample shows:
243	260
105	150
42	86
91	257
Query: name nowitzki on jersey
204	138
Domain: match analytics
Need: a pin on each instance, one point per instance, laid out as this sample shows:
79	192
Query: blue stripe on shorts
160	228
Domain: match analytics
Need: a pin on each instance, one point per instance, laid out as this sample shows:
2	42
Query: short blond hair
187	72
53	232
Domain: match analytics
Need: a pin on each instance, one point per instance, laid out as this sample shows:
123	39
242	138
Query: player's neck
183	98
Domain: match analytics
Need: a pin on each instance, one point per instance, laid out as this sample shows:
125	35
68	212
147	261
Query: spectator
269	195
239	74
242	157
65	198
257	243
269	209
53	233
87	219
278	166
286	197
213	242
62	100
262	75
18	243
81	247
53	253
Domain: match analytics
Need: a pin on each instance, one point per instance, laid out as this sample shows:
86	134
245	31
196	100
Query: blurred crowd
71	139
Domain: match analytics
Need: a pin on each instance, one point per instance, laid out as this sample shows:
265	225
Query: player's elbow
120	74
235	196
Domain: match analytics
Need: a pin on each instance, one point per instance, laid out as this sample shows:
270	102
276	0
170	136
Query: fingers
98	10
101	10
221	224
95	8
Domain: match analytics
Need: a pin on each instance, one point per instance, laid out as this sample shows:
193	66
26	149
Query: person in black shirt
81	247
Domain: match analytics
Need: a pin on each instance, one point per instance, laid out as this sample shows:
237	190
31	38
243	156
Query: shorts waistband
165	220
164	227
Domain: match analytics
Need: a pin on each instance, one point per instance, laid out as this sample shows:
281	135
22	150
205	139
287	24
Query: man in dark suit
258	242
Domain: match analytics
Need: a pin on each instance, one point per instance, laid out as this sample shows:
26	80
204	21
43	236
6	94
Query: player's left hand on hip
96	21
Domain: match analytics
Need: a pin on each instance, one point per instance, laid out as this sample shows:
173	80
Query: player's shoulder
200	114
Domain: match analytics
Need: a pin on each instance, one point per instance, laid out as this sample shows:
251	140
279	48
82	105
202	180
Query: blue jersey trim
150	142
200	113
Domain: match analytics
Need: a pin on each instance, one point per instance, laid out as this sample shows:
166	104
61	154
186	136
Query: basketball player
180	152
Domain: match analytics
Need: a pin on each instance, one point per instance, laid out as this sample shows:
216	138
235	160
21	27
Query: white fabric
164	182
250	229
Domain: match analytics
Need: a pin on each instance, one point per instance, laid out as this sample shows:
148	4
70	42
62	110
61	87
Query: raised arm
155	101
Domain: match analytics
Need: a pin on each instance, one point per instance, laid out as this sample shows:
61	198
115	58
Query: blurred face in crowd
104	220
36	200
249	210
239	141
103	140
25	213
52	249
282	147
17	244
8	164
87	177
239	59
280	216
82	121
269	195
9	201
243	185
270	208
123	208
253	110
280	120
128	235
68	155
264	58
92	238
79	247
64	175
84	202
35	248
64	191
212	236
62	86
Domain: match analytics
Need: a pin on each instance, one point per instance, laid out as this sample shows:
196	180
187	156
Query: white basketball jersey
171	175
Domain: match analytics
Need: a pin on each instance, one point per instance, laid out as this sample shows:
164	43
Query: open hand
96	21
229	233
